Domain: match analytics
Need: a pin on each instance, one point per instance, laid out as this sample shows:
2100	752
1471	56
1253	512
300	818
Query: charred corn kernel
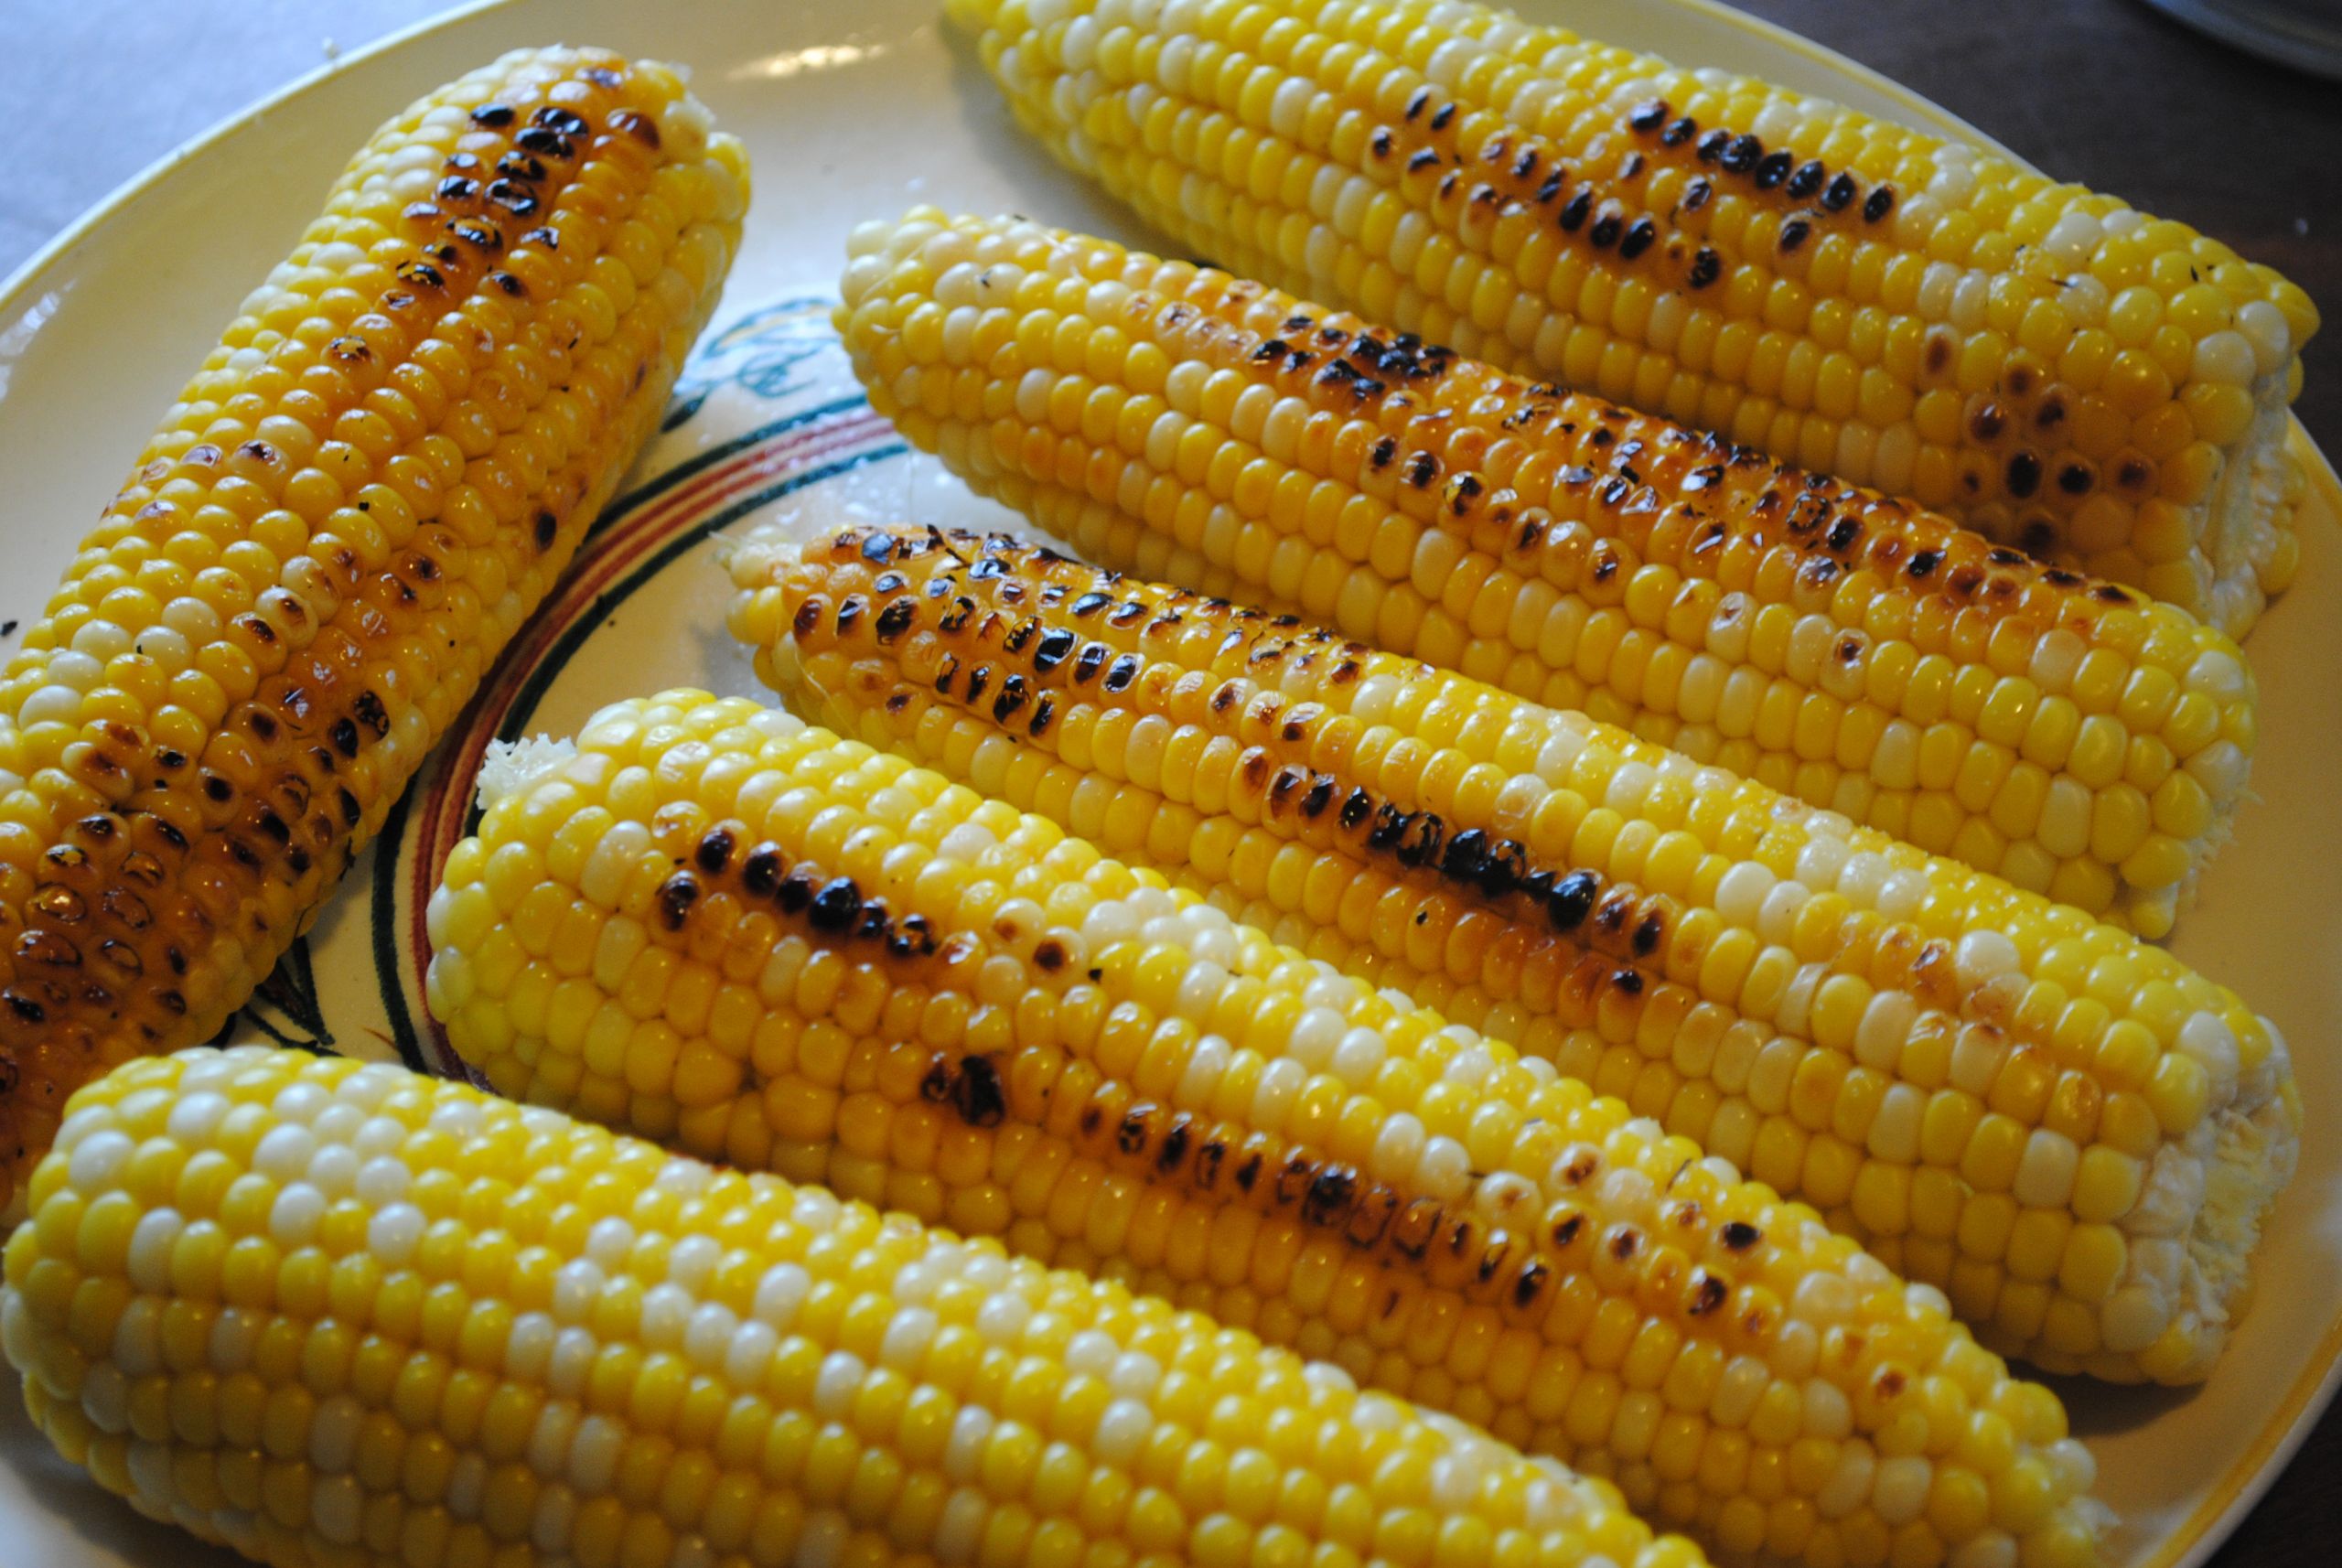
1694	244
1136	1083
1833	644
374	478
1803	997
627	1356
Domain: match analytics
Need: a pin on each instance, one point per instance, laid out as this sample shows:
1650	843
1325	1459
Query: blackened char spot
1176	1139
1329	1195
977	1094
1053	649
1571	900
675	898
640	126
714	850
760	874
2023	473
836	905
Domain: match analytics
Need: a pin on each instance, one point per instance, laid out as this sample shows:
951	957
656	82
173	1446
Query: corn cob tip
874	248
976	16
512	766
758	556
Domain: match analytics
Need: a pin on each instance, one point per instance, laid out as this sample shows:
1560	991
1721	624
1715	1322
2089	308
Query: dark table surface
2103	92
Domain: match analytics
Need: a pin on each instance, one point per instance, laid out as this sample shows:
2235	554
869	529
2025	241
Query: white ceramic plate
859	111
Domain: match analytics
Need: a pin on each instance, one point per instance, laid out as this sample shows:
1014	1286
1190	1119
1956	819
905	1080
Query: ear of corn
332	1312
2070	1131
1169	420
718	927
2061	372
373	479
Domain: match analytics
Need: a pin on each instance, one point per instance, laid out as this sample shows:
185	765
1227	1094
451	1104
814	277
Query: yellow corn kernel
1550	880
1550	544
371	482
1848	291
765	1370
1205	1112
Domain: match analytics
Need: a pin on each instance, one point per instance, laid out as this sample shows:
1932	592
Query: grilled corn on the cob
2064	734
376	475
2057	370
2068	1130
725	929
332	1312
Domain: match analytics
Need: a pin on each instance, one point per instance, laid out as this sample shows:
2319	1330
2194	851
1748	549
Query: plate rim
2277	1441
